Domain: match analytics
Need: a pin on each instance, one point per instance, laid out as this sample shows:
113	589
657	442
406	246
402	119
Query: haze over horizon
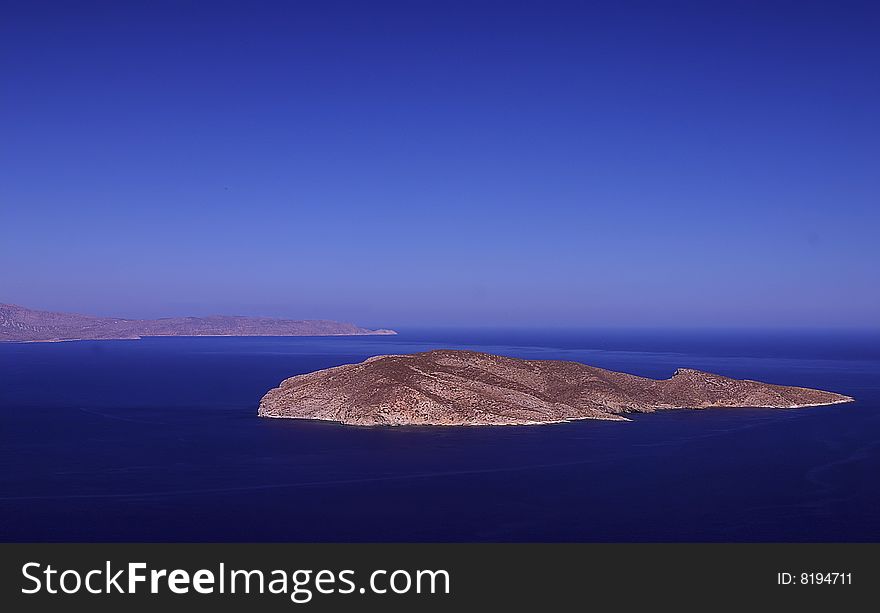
444	163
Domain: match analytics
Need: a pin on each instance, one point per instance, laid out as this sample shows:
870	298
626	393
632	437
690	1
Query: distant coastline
22	325
145	336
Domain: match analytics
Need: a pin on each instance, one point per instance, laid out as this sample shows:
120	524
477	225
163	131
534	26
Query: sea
158	440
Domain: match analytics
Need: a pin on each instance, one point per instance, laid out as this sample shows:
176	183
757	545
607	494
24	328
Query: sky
444	163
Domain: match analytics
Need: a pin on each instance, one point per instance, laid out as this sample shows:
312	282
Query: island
468	388
20	324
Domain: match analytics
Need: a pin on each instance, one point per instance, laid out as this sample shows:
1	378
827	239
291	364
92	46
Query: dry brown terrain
21	324
447	387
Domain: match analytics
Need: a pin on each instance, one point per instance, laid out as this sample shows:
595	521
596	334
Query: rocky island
19	324
451	388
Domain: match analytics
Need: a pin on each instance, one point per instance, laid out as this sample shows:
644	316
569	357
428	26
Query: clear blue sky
510	163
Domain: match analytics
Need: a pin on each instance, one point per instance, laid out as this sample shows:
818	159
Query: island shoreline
467	388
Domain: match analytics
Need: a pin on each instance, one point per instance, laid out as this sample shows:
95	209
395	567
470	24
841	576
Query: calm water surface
158	440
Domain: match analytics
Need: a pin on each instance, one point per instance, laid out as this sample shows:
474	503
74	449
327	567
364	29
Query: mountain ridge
21	324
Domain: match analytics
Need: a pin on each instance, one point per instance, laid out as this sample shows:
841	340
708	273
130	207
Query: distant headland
19	324
453	388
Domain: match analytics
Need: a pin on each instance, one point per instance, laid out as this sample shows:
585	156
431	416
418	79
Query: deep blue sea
158	440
